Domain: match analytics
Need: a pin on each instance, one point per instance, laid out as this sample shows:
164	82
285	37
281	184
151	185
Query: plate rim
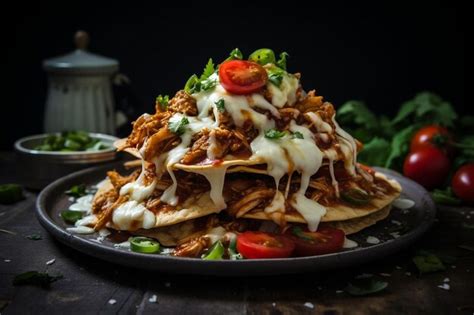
248	267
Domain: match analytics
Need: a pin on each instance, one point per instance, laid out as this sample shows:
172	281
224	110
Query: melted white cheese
136	189
286	92
83	204
133	215
348	147
319	123
216	178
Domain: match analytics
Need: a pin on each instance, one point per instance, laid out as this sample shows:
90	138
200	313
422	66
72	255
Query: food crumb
408	273
395	234
444	286
320	288
398	267
112	301
7	260
167	284
364	276
153	299
50	262
339	291
453	267
309	305
274	304
372	240
383	274
396	222
446	280
468	217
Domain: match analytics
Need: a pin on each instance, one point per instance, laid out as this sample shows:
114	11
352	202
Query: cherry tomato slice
242	77
264	245
463	183
427	166
324	241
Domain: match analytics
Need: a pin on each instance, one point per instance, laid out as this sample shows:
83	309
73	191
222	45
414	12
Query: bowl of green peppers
46	157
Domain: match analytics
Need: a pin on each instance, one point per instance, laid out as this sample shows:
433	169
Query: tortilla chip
355	225
341	212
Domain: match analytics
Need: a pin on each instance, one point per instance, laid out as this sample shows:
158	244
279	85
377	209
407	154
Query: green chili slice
215	252
355	196
263	56
144	245
71	216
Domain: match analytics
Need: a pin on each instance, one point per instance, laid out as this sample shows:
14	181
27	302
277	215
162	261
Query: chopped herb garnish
77	191
274	134
208	84
34	237
275	75
220	104
365	286
427	262
235	54
208	70
178	127
10	193
281	63
162	102
42	279
297	135
71	216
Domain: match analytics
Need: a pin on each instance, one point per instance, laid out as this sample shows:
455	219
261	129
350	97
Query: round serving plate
398	230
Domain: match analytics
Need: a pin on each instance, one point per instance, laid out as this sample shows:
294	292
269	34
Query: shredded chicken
183	103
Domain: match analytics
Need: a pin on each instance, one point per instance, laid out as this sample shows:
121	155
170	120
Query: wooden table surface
89	284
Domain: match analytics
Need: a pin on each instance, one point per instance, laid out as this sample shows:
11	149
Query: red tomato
463	182
428	166
323	241
242	77
264	245
432	136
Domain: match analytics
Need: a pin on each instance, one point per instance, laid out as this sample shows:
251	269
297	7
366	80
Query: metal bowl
39	168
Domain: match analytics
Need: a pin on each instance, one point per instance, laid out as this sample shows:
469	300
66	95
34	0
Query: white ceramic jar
80	91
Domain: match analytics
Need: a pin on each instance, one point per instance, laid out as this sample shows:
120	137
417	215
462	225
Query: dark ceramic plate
409	224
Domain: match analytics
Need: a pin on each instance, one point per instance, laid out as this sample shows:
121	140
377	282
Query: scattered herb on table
42	279
34	237
427	262
10	193
365	286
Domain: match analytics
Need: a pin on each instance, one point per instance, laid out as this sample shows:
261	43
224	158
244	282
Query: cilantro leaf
235	54
427	262
281	63
375	152
178	127
76	191
220	104
399	147
426	108
274	134
297	135
208	70
445	197
275	75
208	84
162	102
365	286
42	279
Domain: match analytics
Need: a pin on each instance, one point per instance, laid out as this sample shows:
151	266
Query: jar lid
81	61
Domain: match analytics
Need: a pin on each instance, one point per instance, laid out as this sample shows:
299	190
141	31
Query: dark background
380	53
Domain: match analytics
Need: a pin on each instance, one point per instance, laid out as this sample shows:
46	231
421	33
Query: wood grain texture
89	283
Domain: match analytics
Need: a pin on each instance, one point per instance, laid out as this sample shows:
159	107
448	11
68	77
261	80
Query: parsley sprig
178	127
